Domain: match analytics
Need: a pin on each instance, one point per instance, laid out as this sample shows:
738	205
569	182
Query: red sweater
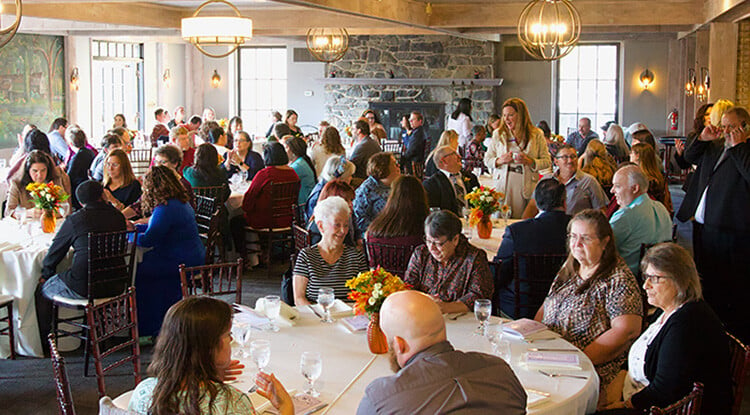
257	200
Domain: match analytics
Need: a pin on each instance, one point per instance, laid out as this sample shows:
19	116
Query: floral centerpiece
484	201
223	123
47	197
368	291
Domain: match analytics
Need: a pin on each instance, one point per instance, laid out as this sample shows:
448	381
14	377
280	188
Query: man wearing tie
447	188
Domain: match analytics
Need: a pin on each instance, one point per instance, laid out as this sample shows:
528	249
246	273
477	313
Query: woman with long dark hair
39	168
192	359
205	171
121	188
460	121
401	222
645	157
290	119
329	145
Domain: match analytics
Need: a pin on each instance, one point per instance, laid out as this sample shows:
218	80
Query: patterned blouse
369	199
465	278
580	319
228	401
474	157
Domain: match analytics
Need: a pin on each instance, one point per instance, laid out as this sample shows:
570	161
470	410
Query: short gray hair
331	207
677	264
635	177
337	167
441	152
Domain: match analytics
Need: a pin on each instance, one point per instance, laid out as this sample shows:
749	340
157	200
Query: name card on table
553	360
523	328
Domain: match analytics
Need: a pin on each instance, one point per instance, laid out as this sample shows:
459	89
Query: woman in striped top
329	263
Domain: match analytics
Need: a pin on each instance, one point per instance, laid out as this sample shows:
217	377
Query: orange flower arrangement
369	289
484	202
46	196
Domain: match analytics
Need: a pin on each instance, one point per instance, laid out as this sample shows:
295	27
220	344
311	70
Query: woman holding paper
594	301
192	360
330	262
673	352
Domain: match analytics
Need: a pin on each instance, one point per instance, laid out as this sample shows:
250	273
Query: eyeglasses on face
654	279
435	243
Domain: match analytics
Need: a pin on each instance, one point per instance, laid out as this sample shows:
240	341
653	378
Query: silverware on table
314	311
457	316
563	375
541	349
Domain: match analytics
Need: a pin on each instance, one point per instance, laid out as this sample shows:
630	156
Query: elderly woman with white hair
336	167
330	262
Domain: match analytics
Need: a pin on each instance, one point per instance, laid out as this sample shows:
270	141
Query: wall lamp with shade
6	35
690	85
215	80
646	78
202	31
167	78
74	78
701	92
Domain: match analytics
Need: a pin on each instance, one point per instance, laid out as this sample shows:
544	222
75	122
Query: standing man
364	148
431	376
581	137
415	143
160	129
57	142
718	203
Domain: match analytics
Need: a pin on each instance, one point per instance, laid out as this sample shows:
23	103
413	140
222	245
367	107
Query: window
263	83
117	85
587	86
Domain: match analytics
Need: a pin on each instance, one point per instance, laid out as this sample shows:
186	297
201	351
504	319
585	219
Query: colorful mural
31	84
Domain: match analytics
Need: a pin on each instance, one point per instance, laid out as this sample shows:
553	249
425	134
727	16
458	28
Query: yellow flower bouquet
46	196
484	201
369	289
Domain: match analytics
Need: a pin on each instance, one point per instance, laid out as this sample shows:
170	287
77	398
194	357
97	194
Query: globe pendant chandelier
549	29
327	45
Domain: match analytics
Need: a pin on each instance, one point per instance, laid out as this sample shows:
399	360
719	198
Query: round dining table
348	365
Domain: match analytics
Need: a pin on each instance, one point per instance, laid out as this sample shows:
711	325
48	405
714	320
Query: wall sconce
167	78
702	91
215	80
690	84
74	79
646	78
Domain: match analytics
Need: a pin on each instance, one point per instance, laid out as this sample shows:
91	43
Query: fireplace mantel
415	81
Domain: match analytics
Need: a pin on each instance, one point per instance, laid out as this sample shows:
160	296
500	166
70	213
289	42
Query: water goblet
506	215
241	334
494	334
482	311
311	365
466	212
64	209
20	214
273	308
260	352
326	299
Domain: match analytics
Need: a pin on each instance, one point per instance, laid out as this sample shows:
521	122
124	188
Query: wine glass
482	311
326	299
273	308
64	209
310	364
506	215
494	333
466	212
241	334
260	352
20	214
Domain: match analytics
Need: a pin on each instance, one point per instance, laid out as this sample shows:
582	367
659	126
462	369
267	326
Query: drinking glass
494	333
466	212
506	216
482	311
502	350
310	364
3	163
325	299
20	214
241	334
260	352
64	209
273	308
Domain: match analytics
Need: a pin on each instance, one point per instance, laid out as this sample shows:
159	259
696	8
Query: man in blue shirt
640	219
57	142
581	137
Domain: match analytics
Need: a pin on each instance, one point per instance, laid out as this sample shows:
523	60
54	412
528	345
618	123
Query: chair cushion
5	299
83	302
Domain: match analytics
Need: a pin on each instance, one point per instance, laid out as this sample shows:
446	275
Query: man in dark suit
446	188
544	234
414	146
718	203
364	149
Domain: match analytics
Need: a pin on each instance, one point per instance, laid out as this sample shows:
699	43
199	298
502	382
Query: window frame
240	108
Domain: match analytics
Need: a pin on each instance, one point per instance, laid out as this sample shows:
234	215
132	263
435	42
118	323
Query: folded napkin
286	317
337	309
9	246
249	316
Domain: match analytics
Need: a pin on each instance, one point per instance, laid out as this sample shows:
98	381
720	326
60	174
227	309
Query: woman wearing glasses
685	344
594	302
516	154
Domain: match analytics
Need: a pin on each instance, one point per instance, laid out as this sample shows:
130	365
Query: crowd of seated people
595	300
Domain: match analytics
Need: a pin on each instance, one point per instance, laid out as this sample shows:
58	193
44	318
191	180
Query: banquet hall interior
643	65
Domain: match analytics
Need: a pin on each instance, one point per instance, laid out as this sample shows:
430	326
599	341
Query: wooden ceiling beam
129	14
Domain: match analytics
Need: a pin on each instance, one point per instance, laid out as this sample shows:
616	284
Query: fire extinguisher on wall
672	118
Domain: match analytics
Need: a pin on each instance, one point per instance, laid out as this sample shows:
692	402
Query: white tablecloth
491	244
19	274
345	354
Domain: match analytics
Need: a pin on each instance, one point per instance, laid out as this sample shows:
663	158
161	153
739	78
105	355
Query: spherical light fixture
231	31
549	29
327	45
6	35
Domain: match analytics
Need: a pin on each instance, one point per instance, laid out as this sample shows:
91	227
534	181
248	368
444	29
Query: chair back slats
298	214
111	257
216	192
417	168
689	405
283	199
392	258
392	146
110	318
532	277
738	368
140	160
209	218
212	280
62	386
302	238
